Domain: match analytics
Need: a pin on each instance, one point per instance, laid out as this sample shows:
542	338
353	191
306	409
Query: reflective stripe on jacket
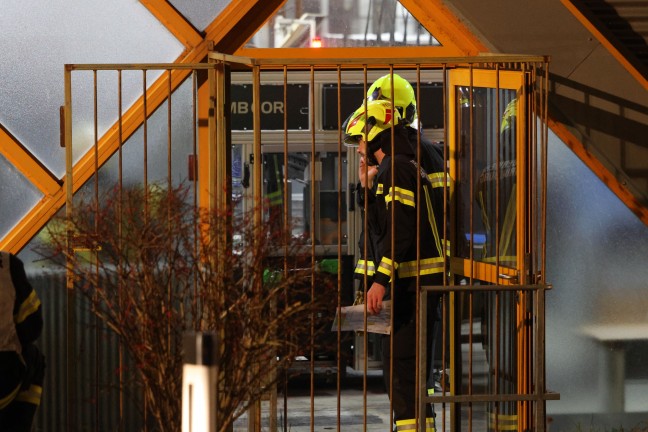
8	336
400	207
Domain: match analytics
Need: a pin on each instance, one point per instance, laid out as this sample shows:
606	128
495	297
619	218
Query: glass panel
157	153
107	84
486	182
596	261
158	157
299	192
240	180
46	35
17	194
341	23
200	12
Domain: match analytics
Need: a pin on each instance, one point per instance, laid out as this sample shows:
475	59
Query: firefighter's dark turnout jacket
431	160
21	364
408	207
406	196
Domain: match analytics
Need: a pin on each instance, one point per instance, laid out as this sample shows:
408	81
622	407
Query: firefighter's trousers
18	415
403	398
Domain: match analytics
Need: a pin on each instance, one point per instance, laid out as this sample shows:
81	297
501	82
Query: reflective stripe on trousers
410	425
31	395
502	422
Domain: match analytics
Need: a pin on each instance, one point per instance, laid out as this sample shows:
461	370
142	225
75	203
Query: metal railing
493	309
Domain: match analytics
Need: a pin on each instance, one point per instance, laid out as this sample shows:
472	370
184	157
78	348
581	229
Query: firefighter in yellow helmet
394	87
403	95
402	209
21	363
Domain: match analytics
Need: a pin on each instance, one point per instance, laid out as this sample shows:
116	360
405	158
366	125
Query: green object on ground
329	265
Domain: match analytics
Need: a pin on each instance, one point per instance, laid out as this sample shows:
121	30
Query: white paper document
353	319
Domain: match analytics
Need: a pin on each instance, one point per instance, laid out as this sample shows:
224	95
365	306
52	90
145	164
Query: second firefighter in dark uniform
403	197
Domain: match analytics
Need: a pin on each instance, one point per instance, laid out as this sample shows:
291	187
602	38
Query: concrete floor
370	413
356	413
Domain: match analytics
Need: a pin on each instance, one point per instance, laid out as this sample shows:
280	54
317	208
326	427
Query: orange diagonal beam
603	40
238	22
32	222
444	25
174	22
27	163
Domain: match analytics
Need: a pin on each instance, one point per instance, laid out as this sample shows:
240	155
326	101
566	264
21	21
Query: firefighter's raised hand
375	298
366	174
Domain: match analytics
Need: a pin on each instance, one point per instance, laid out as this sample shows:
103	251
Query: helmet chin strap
372	147
371	159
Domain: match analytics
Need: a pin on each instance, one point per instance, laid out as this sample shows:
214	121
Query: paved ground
352	413
356	413
361	413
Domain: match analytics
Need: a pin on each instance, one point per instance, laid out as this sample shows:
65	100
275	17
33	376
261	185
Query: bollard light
199	376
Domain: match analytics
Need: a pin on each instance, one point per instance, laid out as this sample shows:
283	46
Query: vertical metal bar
146	188
169	134
120	228
223	154
254	412
365	280
533	218
71	299
194	168
540	338
454	298
313	232
533	178
524	307
497	242
472	235
541	346
96	228
421	297
540	382
339	255
145	145
544	147
421	386
392	239
256	151
497	351
287	229
286	239
445	299
169	189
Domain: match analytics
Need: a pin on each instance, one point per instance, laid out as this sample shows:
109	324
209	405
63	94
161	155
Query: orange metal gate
258	143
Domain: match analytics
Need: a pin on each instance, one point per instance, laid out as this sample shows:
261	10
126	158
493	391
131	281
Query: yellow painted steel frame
496	274
214	165
507	80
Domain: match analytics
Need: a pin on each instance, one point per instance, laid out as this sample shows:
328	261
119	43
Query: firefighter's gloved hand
375	298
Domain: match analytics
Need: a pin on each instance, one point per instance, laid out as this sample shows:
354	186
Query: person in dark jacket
407	252
22	366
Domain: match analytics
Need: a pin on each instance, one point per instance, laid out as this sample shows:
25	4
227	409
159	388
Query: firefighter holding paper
402	199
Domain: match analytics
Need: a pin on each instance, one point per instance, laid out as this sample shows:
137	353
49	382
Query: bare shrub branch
162	268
